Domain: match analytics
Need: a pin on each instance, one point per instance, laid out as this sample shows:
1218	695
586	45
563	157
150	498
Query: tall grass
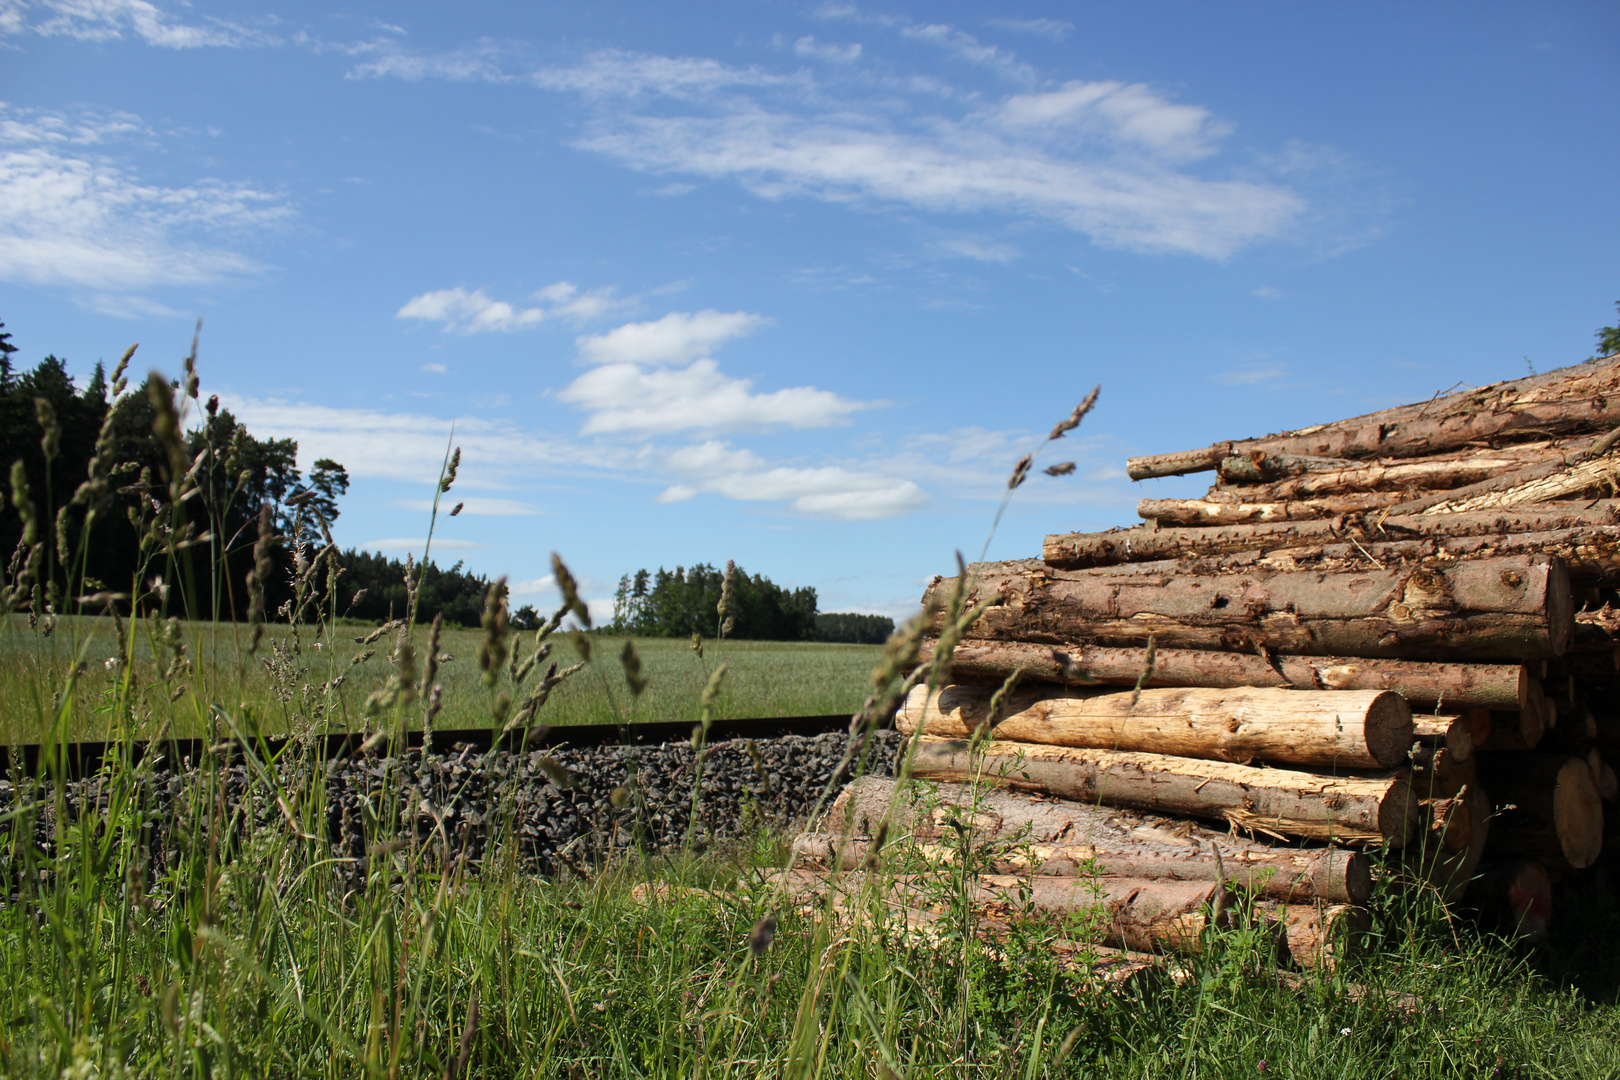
147	931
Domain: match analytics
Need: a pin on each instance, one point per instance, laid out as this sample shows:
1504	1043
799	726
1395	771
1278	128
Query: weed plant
150	932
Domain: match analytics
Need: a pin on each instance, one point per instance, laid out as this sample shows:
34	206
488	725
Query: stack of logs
1394	630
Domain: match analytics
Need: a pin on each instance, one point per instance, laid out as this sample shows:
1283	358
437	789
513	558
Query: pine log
1603	776
1583	398
1600	475
1147	543
1518	895
1424	685
1450	821
1440	472
1452	872
1204	512
1323	936
1547	809
1455	733
1357	729
1049	836
1519	730
1486	609
1282	802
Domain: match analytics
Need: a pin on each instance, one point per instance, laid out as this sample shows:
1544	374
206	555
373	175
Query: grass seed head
761	936
450	471
630	660
51	439
724	607
1072	421
497	625
1063	469
118	380
1020	471
570	590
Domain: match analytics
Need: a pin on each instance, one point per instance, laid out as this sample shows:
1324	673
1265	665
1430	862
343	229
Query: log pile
1399	630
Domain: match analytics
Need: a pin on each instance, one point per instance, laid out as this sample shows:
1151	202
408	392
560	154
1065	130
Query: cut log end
1560	607
1358	880
1388	728
1399	814
1578	814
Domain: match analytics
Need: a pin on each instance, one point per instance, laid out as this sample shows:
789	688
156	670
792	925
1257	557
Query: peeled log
1548	809
1424	685
1282	802
1146	543
1506	608
1581	398
1197	512
1599	475
1059	837
1449	471
1345	728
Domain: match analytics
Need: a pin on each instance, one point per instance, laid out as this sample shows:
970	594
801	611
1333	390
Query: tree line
69	453
699	600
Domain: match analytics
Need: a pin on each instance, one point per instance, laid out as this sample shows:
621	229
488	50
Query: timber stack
1397	631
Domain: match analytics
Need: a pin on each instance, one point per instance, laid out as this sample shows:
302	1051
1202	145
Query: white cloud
820	50
414	544
474	506
1250	376
628	398
966	47
73	218
982	250
828	491
435	369
111	20
532	586
1056	29
471	311
676	337
375	444
1129	114
675	493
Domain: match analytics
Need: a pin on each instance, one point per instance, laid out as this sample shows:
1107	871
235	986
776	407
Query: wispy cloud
415	544
828	491
1055	29
71	216
471	311
628	398
1251	376
676	337
112	20
475	506
808	46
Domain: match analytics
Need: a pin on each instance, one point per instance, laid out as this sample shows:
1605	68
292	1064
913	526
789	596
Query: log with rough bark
1145	543
1424	685
1280	802
1576	399
1547	808
1519	730
1452	872
1323	936
1050	836
1486	609
1204	512
1135	913
1518	895
1358	729
1450	821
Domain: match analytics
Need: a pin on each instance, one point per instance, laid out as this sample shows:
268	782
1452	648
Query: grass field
763	678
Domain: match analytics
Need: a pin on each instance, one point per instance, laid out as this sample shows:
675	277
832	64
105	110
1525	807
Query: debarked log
1424	685
1025	833
1486	609
1204	512
1345	728
1145	543
1280	802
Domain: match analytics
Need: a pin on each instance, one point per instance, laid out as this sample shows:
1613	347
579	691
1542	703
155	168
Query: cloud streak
471	311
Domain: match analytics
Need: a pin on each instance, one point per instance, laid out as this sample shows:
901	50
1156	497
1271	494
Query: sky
796	284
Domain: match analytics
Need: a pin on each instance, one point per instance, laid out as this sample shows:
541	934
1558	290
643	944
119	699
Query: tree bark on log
1455	733
1145	543
1438	774
1424	685
1204	512
1485	609
1357	729
1057	837
1323	936
1548	809
1598	475
1280	802
1582	398
1450	821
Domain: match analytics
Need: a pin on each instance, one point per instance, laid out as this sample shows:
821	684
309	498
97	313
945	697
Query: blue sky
796	284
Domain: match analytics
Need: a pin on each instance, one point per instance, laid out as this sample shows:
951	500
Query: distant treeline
854	629
107	427
686	601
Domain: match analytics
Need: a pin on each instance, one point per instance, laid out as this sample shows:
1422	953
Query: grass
213	949
764	678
